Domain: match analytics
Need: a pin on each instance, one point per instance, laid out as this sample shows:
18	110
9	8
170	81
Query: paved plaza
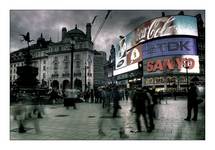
60	123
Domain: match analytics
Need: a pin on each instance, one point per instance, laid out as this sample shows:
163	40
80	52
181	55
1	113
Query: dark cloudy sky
50	23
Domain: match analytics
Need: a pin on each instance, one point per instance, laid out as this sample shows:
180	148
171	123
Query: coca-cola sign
156	28
164	26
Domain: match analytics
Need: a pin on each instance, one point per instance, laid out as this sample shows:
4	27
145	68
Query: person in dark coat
126	94
192	102
143	104
116	99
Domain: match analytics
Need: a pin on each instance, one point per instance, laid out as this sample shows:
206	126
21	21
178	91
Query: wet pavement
60	123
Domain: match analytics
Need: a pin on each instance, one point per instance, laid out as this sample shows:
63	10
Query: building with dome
53	60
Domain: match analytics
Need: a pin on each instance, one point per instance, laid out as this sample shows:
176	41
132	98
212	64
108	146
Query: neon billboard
170	46
171	65
165	26
135	55
158	27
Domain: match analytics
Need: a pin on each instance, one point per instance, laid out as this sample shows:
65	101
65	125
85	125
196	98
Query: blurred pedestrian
19	113
71	96
192	102
115	122
35	110
154	96
103	97
54	95
92	95
143	105
116	99
126	94
131	95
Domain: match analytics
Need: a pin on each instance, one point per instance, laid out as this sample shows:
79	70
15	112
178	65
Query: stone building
99	72
53	59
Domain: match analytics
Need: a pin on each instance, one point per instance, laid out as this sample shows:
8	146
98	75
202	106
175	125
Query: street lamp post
71	75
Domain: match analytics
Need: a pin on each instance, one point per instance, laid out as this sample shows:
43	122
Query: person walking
115	122
131	95
142	103
192	102
19	113
35	110
126	94
71	96
116	99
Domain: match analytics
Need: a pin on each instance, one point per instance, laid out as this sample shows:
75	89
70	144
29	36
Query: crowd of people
143	104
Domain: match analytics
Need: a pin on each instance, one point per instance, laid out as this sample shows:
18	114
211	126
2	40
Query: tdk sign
169	47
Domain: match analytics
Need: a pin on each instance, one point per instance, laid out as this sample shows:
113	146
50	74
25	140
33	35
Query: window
55	59
55	66
44	62
66	58
66	66
77	57
44	68
44	75
78	64
81	45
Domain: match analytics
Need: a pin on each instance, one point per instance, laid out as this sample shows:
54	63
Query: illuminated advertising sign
170	46
126	69
159	27
192	63
165	26
120	55
171	65
135	55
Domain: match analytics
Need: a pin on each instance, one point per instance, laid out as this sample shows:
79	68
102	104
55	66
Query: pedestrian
116	99
54	95
115	122
92	95
131	95
19	113
175	94
126	94
96	96
35	110
103	97
143	105
71	96
192	102
154	102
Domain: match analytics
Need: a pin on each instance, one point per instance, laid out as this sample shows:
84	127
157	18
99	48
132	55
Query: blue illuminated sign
169	47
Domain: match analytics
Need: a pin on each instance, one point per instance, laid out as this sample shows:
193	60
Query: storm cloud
50	23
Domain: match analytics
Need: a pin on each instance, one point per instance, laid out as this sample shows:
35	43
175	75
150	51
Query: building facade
109	67
99	72
53	60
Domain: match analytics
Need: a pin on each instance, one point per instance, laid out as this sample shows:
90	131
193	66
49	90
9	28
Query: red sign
170	64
